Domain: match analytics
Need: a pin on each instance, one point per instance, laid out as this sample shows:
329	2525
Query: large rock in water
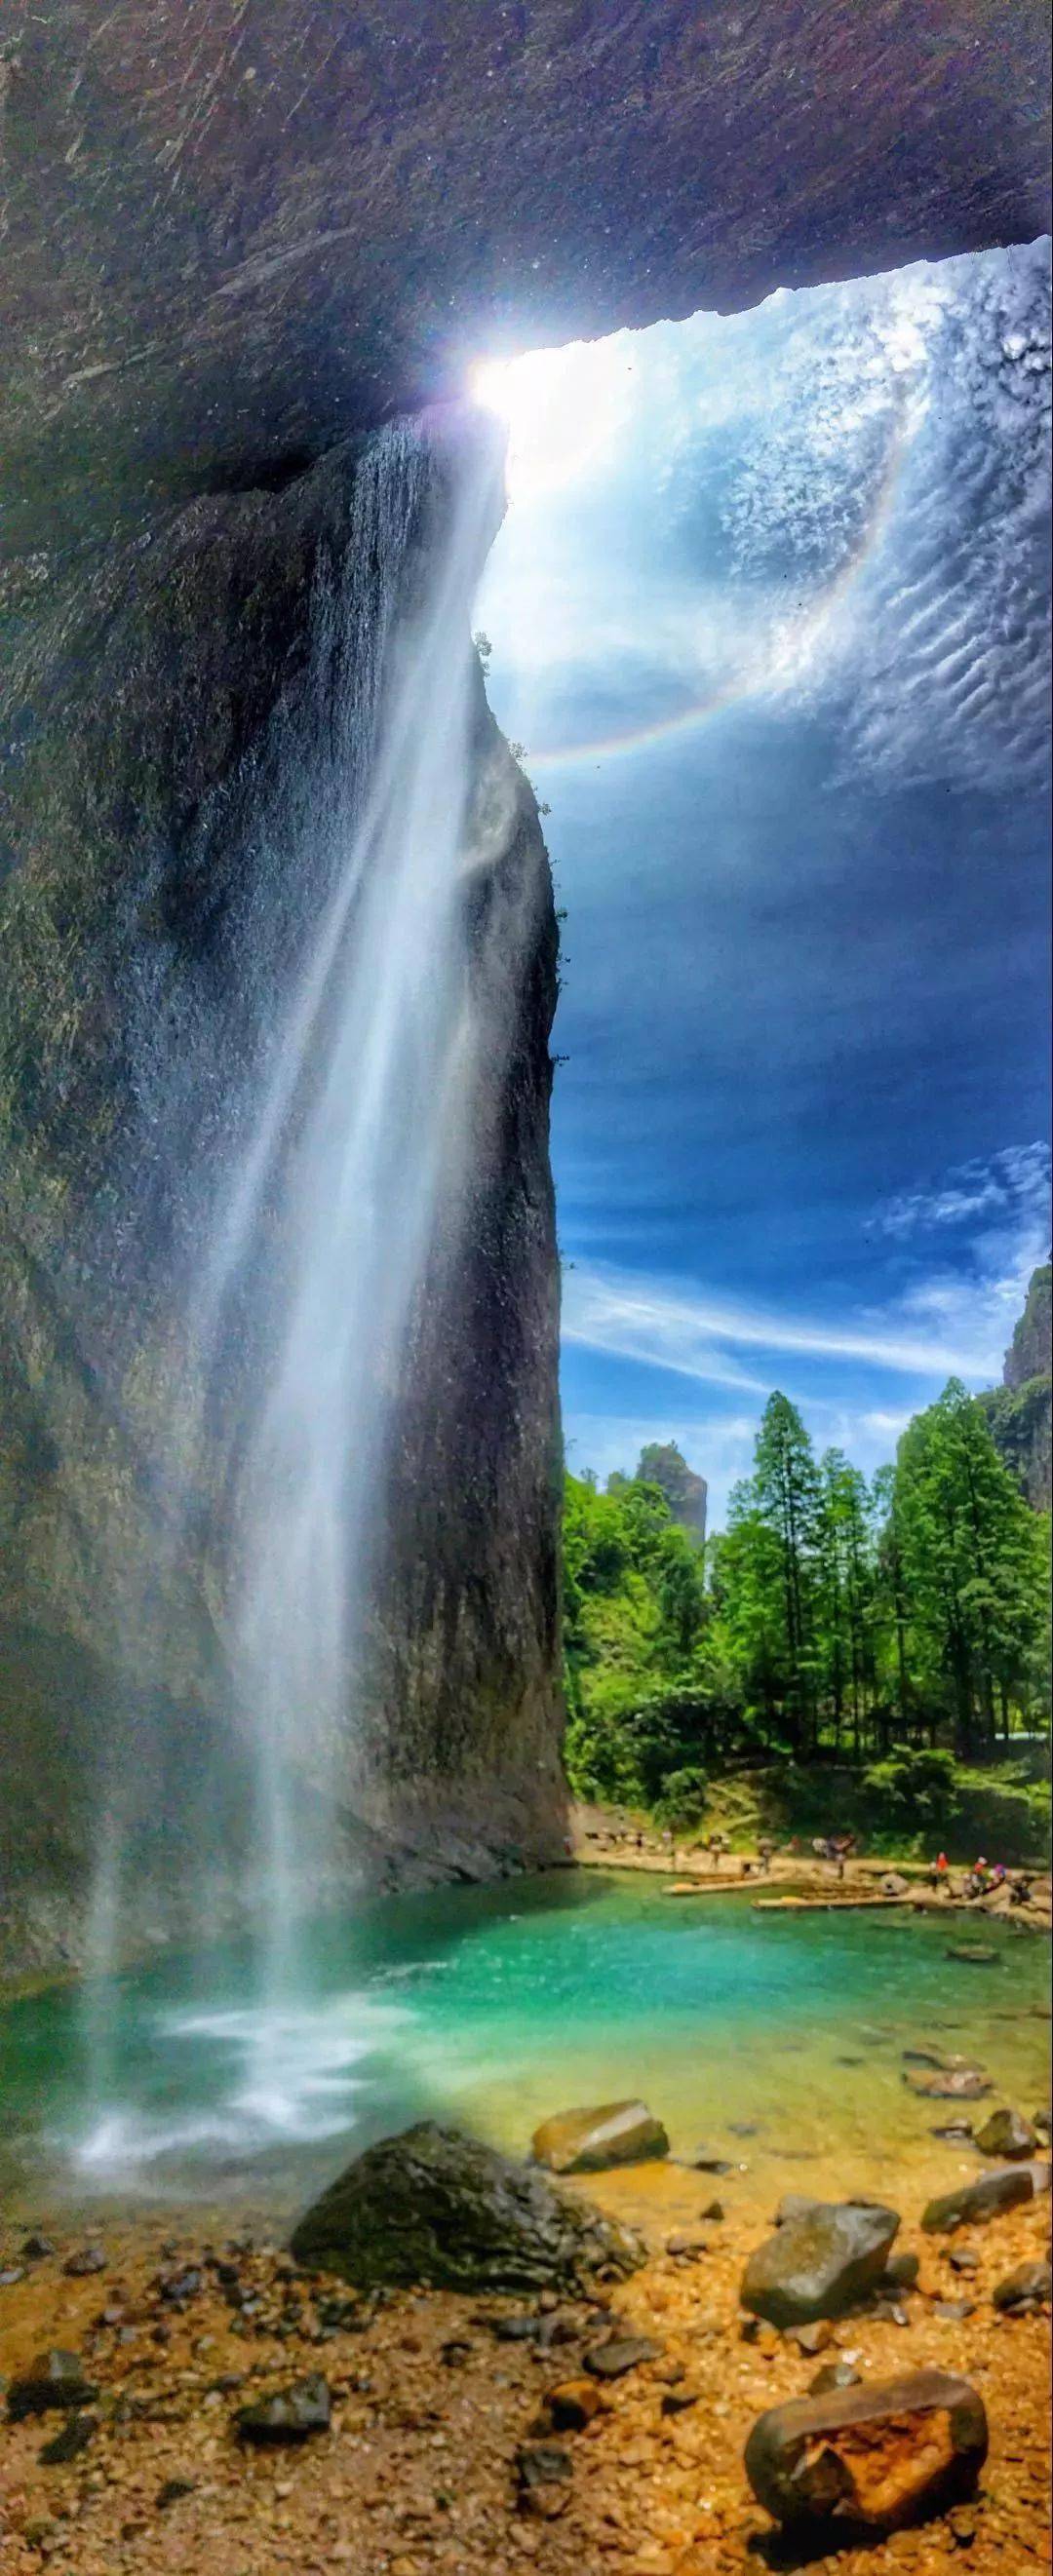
436	2208
617	2133
870	2458
1007	2133
819	2262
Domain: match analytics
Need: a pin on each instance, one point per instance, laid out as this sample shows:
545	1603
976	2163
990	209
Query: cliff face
1020	1411
175	818
234	239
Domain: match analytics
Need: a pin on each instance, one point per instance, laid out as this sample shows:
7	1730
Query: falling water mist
324	1215
381	1041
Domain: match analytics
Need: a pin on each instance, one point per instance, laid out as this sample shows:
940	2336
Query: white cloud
632	1316
1014	1185
850	484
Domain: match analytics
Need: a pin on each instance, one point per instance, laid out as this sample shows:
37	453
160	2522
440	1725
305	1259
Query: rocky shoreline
600	1842
183	2394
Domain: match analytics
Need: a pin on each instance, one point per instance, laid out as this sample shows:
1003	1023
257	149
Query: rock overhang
233	235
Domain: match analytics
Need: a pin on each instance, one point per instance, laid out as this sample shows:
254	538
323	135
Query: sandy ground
416	2474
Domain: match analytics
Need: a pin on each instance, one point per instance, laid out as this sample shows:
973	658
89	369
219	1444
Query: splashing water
326	1211
383	1032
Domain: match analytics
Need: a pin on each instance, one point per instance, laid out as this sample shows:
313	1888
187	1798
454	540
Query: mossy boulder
436	2208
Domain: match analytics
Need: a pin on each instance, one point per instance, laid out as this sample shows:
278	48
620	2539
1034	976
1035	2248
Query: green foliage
682	1803
915	1790
904	1624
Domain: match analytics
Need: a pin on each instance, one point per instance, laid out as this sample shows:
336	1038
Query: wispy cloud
948	1317
638	1318
1013	1186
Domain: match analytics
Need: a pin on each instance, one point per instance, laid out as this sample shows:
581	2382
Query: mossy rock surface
442	2210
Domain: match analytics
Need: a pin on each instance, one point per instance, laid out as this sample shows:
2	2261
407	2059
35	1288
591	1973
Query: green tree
971	1568
786	1496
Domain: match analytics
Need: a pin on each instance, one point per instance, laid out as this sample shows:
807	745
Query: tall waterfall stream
325	1221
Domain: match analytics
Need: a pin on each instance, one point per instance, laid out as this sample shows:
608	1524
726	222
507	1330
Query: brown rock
870	2458
614	2133
811	2339
620	2353
950	2083
573	2404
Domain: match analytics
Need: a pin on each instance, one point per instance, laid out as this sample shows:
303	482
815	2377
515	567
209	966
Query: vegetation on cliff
900	1628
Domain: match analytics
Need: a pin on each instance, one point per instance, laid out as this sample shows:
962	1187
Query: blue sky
770	615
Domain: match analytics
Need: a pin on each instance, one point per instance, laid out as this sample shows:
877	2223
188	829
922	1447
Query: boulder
615	2133
435	2208
819	2262
53	2379
1030	2286
973	2203
290	2415
870	2458
1006	2133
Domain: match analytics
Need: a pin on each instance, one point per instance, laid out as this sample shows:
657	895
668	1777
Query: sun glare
564	407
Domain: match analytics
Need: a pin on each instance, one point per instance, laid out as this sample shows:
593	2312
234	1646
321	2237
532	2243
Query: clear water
494	2008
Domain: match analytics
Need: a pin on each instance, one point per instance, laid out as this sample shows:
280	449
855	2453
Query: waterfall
318	1168
356	1133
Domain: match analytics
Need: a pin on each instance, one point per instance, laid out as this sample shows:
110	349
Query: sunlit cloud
859	480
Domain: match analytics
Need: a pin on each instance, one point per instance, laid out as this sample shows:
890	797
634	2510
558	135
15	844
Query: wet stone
974	2203
953	2083
614	2133
290	2415
901	2272
1005	2133
811	2339
543	2464
619	2354
87	2259
819	2262
1030	2286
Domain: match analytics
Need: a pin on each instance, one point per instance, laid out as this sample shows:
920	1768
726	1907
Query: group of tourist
983	1879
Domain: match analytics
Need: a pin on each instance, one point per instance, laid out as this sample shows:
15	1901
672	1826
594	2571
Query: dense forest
900	1625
